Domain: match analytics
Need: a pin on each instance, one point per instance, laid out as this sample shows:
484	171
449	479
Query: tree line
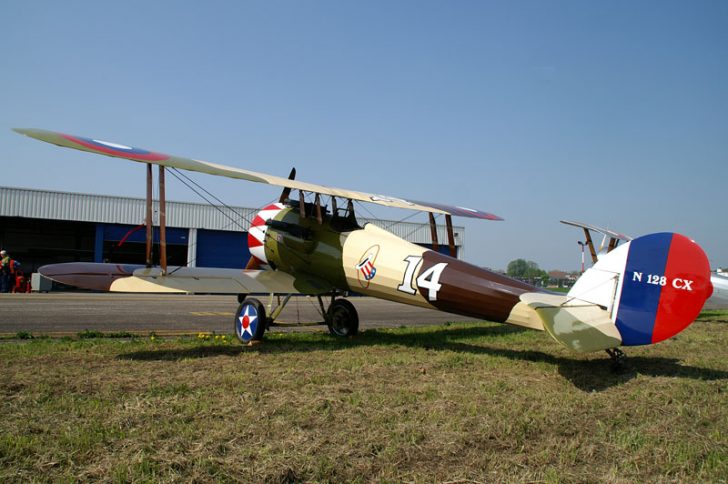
527	270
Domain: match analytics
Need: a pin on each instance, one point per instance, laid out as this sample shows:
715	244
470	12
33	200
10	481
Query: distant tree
526	270
545	279
517	268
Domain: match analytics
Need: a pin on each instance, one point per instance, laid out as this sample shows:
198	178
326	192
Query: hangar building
40	227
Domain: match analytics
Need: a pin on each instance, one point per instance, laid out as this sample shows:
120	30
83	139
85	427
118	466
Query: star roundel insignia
247	322
115	149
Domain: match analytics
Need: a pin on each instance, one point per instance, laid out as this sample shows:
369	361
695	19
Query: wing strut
433	232
319	216
301	204
450	236
162	222
150	227
590	243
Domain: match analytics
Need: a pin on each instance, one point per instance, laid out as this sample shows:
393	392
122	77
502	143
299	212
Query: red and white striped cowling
258	228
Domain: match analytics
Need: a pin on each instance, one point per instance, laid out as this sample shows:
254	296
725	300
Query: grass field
458	403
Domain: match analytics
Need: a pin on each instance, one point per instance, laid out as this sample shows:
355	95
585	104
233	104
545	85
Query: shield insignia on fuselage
366	269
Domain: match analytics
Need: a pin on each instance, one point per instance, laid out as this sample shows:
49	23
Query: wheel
250	320
342	318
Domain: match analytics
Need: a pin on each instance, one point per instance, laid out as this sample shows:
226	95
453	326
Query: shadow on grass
587	375
598	374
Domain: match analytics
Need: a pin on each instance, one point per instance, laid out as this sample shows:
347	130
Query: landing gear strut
618	358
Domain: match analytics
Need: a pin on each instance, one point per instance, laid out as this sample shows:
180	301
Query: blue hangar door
220	248
127	244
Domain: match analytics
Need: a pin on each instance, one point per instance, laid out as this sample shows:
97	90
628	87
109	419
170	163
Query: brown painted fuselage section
473	291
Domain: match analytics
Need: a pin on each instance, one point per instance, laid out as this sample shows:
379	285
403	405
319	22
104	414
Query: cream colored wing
219	281
145	156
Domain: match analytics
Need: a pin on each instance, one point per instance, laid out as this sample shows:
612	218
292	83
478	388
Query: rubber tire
260	322
342	319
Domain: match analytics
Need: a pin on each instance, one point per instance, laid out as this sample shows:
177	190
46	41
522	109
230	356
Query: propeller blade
286	193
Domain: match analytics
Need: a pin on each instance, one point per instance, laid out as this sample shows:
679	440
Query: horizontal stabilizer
719	299
580	326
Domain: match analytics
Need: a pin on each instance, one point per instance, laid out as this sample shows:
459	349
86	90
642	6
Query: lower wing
138	278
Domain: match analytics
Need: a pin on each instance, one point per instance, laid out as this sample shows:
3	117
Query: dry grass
479	402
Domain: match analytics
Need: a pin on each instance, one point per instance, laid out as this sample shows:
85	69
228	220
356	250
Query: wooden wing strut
433	232
150	227
450	236
590	243
162	220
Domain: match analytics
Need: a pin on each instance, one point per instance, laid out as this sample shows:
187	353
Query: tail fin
644	291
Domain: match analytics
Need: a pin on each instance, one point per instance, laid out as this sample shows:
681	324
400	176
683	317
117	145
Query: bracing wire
177	174
391	224
220	202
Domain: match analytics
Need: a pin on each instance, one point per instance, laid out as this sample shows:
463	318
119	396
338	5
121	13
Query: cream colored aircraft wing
145	156
137	278
218	281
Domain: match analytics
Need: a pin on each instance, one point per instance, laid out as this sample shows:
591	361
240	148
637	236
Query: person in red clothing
20	282
6	271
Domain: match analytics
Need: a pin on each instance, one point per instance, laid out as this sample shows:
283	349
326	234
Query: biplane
641	292
611	239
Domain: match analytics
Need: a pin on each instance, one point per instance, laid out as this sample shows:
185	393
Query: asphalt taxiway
70	313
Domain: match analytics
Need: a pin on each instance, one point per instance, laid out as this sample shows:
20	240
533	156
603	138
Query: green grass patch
481	402
92	334
714	314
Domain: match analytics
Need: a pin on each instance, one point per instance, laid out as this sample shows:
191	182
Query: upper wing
607	232
145	156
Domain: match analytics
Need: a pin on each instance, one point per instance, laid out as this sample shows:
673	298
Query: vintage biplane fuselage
372	261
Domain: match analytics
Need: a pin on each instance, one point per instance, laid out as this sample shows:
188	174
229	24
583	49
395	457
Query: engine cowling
258	230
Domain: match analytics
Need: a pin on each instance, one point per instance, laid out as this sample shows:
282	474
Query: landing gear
250	321
342	318
618	358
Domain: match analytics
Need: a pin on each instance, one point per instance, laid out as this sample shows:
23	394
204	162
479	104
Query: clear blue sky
614	113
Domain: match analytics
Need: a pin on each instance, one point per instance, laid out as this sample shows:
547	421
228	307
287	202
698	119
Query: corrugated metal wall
415	232
28	203
42	204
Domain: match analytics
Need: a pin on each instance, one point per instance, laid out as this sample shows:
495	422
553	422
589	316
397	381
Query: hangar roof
85	207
